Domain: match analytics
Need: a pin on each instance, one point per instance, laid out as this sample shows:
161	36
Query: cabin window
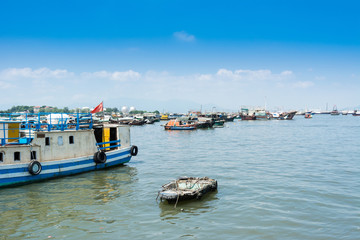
47	141
33	155
16	156
1	157
71	139
60	140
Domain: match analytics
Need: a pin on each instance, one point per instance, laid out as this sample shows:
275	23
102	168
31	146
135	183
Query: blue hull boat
182	128
38	150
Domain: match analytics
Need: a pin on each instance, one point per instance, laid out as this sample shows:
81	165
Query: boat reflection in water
67	203
192	207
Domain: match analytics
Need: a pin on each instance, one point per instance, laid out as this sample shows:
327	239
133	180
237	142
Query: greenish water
296	179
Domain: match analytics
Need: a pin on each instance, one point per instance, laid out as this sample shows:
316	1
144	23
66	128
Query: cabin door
113	136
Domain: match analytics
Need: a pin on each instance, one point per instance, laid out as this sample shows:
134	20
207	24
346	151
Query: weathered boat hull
174	192
18	174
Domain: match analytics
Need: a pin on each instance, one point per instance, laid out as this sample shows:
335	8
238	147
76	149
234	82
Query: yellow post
106	136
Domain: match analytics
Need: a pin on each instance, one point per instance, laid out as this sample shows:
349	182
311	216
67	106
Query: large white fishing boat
44	146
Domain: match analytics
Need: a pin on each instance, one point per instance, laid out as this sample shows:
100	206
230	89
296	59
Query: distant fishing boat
204	122
179	125
59	145
245	115
308	115
356	113
287	115
164	117
335	111
219	123
187	188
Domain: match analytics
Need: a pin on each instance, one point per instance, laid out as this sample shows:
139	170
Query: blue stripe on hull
112	160
54	165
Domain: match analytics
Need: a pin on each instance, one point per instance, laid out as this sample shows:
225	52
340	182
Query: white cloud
204	77
124	76
252	75
117	76
225	73
303	84
16	73
286	73
184	36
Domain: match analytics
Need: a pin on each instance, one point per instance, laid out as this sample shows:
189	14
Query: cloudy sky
180	55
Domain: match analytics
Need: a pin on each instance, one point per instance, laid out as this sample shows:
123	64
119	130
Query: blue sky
178	55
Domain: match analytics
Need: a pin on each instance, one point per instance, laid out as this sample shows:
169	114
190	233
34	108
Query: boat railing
107	145
19	128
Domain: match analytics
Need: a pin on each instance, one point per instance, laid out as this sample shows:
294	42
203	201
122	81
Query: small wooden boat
308	115
186	188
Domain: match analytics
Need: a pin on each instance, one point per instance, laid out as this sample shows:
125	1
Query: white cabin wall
84	144
124	136
8	153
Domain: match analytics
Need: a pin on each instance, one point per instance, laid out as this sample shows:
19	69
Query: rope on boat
158	196
177	191
186	184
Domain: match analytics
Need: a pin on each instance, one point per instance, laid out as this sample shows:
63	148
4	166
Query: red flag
99	108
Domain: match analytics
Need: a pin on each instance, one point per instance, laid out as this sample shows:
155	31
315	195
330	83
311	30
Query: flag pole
103	110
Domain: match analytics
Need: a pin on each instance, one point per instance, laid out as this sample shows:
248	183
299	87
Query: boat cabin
56	140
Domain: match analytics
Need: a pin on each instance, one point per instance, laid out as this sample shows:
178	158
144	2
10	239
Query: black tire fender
134	150
34	167
100	157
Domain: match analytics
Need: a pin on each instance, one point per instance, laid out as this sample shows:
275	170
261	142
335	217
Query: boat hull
18	174
181	128
187	188
248	117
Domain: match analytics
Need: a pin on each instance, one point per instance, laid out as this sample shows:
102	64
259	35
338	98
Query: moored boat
335	112
62	146
308	115
219	123
245	114
203	122
287	115
164	117
179	125
356	113
186	188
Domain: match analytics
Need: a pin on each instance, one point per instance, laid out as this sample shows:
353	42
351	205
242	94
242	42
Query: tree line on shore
49	109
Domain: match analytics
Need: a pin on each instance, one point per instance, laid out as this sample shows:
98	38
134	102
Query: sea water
297	179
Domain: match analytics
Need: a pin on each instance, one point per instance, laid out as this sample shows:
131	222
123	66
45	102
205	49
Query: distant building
36	109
